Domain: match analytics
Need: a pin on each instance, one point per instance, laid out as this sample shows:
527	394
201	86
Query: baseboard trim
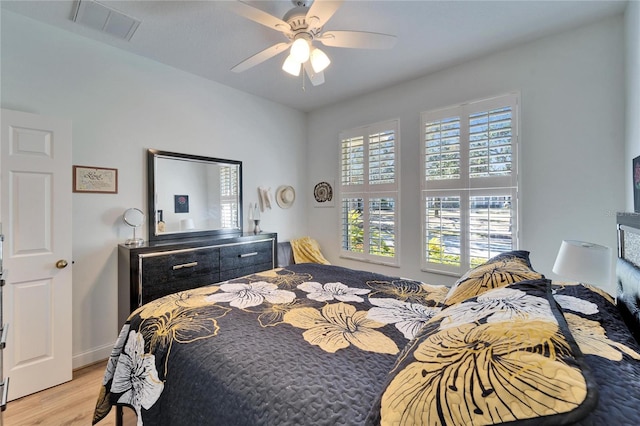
91	357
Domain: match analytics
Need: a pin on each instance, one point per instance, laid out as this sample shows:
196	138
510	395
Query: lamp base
134	242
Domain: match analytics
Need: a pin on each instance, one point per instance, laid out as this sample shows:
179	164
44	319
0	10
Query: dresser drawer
247	255
169	272
247	270
157	269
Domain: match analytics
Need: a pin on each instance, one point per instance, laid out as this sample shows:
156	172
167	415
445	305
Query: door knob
61	264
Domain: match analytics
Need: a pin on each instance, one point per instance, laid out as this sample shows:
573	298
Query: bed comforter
323	345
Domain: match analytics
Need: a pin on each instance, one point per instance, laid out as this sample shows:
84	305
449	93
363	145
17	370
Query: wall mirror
192	196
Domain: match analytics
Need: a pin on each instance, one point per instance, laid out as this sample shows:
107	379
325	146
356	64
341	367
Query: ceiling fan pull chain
303	80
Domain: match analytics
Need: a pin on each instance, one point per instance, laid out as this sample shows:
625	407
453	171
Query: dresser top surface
198	242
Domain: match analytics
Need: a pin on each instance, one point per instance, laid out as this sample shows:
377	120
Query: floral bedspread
323	345
309	344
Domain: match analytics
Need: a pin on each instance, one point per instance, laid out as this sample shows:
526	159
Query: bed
310	344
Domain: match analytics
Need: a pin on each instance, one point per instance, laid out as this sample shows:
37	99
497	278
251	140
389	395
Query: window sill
375	262
439	272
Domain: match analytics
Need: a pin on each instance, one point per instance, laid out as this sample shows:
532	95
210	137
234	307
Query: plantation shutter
369	192
469	183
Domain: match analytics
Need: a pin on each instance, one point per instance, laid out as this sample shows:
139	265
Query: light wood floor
69	404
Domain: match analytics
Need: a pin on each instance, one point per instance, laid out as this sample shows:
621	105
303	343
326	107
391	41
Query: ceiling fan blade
259	57
316	78
357	39
259	16
322	10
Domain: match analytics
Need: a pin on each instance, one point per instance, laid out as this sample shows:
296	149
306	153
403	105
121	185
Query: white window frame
368	191
464	186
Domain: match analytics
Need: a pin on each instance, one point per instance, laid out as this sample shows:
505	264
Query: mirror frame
152	155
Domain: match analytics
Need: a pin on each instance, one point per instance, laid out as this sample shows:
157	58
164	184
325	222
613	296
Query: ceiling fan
303	25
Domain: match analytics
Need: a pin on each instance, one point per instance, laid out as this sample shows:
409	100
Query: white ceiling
207	39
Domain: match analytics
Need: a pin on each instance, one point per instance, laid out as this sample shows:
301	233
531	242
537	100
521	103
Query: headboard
628	270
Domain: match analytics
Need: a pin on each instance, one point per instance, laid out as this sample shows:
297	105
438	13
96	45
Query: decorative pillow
503	269
307	250
506	355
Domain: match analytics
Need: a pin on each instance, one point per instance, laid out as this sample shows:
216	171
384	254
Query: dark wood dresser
156	269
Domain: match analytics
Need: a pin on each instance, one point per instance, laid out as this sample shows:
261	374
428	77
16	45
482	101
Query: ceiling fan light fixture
300	50
303	26
319	60
291	66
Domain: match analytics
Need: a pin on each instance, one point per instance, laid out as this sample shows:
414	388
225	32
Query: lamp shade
300	50
584	262
319	60
187	224
291	66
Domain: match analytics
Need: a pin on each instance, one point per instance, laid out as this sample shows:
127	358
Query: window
469	183
369	193
229	197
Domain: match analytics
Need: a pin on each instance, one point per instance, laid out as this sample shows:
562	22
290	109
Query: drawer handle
185	265
5	394
3	339
253	253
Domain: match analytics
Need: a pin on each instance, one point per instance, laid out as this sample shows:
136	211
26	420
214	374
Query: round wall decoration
285	196
323	192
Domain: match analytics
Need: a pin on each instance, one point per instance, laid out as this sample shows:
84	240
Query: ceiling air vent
107	20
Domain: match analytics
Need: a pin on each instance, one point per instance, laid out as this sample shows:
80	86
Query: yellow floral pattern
483	375
495	273
182	325
281	277
503	356
270	314
592	339
338	326
409	291
187	299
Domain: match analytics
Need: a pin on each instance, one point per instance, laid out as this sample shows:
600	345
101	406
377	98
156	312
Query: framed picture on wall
324	193
636	184
97	180
181	203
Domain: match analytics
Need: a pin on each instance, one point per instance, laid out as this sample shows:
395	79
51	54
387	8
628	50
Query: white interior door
35	172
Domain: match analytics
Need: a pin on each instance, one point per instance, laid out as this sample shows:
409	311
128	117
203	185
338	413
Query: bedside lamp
584	262
187	224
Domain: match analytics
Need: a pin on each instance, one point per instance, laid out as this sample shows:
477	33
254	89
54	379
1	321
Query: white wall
632	48
120	105
571	152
